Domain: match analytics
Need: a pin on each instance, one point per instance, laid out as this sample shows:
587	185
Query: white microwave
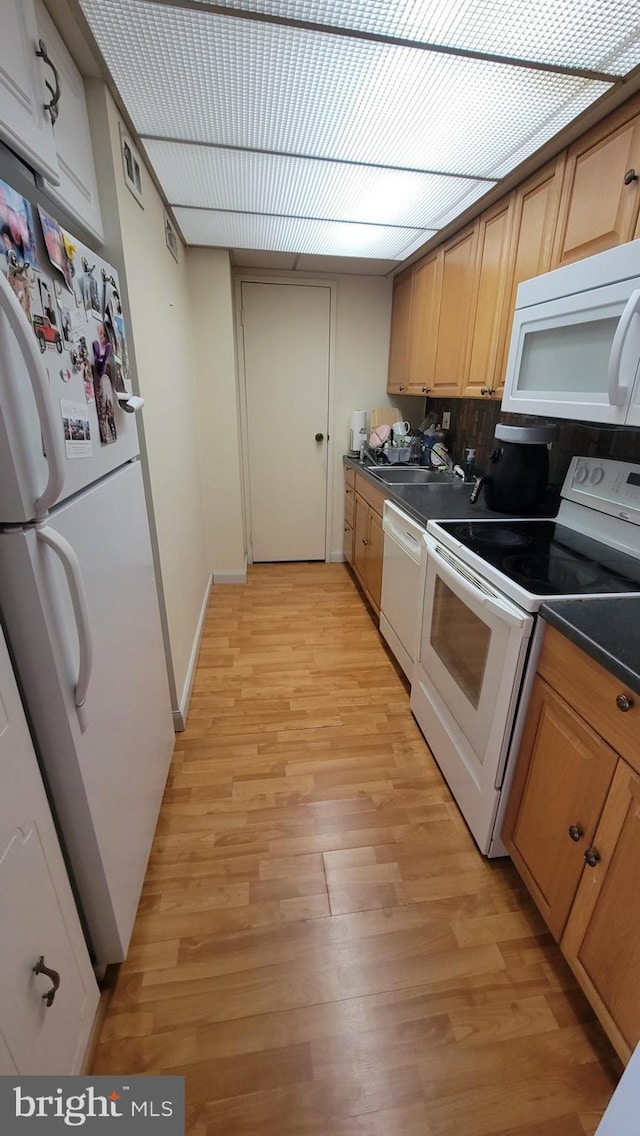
575	344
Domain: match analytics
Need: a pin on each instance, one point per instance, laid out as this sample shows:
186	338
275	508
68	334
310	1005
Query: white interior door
286	338
37	915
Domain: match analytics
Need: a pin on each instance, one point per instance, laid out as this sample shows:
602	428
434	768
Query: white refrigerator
78	598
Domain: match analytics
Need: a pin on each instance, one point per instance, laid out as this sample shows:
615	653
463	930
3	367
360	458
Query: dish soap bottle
469	465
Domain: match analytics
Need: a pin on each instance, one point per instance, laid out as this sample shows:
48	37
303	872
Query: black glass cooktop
548	559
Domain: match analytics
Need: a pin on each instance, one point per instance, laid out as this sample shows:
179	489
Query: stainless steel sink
411	475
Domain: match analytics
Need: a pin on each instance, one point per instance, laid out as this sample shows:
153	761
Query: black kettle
516	480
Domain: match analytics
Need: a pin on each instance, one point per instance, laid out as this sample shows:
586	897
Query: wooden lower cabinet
572	828
367	551
602	938
547	833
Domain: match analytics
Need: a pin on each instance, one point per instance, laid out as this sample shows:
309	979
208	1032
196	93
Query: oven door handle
466	579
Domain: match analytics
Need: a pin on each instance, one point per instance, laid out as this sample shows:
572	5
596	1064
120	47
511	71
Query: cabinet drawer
349	476
349	506
592	692
370	493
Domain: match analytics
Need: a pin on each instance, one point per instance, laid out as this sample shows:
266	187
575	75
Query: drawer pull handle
592	857
40	968
576	832
624	703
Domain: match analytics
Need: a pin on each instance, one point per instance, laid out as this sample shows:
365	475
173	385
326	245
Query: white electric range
485	580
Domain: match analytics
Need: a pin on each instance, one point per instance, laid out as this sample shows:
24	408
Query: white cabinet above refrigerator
575	343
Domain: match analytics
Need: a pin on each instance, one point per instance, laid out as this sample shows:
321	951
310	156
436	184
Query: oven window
460	639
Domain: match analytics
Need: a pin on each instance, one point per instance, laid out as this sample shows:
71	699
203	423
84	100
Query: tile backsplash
473	422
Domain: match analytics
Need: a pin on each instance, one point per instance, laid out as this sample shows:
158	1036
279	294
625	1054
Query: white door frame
257	277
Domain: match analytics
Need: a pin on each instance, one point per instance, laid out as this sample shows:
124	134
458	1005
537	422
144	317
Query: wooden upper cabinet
458	262
602	938
598	210
535	215
561	781
424	325
494	237
398	377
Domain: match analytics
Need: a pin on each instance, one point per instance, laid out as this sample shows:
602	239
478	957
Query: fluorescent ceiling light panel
189	74
601	35
288	234
302	187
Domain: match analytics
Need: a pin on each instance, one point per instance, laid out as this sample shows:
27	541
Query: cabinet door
563	774
424	325
78	188
375	550
602	938
494	233
598	210
452	348
361	540
37	915
24	124
398	378
347	543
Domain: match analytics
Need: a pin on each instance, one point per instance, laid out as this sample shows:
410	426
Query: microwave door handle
498	606
73	573
616	391
49	424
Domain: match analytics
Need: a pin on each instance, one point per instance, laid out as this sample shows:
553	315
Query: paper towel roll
358	430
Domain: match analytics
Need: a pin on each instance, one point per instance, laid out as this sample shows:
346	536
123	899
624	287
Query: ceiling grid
353	128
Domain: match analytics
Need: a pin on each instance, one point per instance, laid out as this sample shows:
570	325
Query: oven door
473	648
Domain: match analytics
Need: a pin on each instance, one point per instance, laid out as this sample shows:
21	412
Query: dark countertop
446	501
606	629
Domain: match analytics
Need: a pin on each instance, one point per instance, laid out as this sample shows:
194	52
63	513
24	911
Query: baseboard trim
180	715
337	558
237	576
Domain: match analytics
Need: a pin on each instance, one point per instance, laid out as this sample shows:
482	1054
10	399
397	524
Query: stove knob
581	474
597	475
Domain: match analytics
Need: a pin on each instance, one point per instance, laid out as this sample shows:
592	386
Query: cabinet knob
400	388
592	857
40	968
364	541
630	177
576	832
487	390
624	702
426	390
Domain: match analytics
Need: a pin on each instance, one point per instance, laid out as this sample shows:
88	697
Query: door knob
319	437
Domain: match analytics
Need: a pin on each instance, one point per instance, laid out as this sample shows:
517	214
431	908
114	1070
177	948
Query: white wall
361	358
160	324
212	330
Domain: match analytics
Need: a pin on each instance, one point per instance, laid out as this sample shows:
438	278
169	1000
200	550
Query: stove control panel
611	487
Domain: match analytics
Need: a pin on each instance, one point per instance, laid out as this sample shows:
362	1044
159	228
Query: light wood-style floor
320	949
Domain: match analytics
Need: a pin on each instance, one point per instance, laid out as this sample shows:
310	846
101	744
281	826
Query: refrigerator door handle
50	426
72	571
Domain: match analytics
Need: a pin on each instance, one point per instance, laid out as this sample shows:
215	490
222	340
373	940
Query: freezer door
106	765
90	445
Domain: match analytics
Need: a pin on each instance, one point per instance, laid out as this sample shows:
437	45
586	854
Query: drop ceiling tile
266	183
194	75
600	35
287	234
